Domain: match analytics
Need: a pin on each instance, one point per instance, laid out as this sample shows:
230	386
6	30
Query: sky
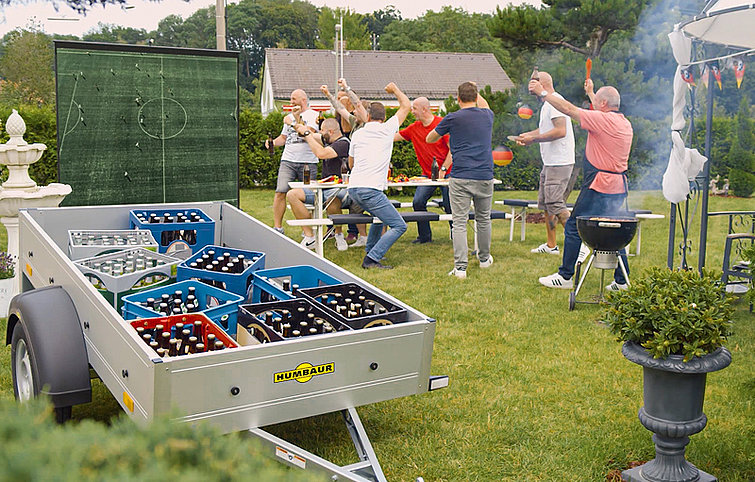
146	14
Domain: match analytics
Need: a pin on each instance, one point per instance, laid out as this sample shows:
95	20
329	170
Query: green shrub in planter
671	312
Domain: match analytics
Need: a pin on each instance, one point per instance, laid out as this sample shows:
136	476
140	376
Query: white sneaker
309	242
487	263
341	244
614	286
280	230
544	248
361	241
584	252
556	281
459	273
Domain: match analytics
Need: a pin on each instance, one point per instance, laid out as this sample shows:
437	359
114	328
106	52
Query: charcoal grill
606	236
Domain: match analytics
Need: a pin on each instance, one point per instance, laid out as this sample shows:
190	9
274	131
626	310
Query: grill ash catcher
606	236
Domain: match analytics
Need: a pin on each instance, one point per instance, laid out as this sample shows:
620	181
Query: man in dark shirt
471	131
335	157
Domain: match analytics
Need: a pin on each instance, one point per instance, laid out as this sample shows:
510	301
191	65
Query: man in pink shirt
604	189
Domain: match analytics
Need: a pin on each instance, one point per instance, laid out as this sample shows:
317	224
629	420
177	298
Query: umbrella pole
706	179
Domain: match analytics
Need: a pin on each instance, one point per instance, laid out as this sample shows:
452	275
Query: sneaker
460	273
280	230
421	241
309	242
614	286
341	244
556	281
487	263
351	237
369	263
361	241
544	248
584	252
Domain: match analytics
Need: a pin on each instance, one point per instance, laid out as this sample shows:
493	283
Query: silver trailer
60	326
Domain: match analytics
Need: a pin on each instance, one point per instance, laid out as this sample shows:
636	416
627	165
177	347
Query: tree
355	32
741	157
81	6
117	34
582	26
450	30
379	20
26	69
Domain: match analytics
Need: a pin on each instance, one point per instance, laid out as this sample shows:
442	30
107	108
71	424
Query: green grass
537	392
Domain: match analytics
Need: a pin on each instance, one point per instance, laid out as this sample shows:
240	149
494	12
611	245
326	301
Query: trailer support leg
366	470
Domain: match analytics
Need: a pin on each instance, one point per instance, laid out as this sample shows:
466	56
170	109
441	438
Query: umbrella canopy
725	22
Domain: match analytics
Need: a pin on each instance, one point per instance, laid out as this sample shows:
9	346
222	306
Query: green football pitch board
146	124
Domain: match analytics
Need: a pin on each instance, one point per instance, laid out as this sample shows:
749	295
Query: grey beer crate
161	271
89	243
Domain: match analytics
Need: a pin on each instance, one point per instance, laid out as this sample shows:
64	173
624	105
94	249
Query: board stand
366	470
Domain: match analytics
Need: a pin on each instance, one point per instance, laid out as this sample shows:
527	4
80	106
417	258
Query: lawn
537	392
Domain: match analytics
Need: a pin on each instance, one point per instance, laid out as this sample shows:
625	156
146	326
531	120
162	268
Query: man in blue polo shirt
471	131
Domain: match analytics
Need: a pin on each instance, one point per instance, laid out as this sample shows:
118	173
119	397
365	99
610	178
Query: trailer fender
49	326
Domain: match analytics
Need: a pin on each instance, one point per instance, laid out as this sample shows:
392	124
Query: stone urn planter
673	394
674	325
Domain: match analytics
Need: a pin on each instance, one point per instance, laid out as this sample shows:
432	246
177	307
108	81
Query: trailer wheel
25	385
25	374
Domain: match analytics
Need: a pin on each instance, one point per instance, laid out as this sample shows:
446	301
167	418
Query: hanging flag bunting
688	77
716	73
704	74
739	71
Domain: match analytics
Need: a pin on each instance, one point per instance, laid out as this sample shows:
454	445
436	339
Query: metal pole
706	178
220	24
340	45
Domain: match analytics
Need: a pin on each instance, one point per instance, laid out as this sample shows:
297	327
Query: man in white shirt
556	138
296	155
369	158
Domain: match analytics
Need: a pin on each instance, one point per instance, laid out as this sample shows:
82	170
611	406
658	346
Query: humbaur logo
304	372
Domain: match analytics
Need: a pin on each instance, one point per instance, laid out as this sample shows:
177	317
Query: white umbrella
725	22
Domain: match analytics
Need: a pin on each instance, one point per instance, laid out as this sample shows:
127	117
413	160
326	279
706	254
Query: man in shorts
333	148
296	155
556	138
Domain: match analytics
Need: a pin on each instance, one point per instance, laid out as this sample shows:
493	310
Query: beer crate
180	239
219	305
157	270
268	284
253	328
389	313
237	283
87	243
188	319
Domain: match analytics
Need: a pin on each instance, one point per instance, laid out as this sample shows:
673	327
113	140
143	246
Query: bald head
610	96
299	97
546	81
421	110
330	130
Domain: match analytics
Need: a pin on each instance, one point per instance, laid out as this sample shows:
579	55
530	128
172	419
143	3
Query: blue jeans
419	203
590	203
378	205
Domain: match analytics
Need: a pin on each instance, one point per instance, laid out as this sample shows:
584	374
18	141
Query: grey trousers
462	192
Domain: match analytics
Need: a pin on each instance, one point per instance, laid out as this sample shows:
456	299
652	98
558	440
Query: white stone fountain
20	191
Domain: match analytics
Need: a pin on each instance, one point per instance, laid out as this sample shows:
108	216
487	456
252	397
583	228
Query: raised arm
359	111
315	143
589	90
560	104
481	102
404	103
337	106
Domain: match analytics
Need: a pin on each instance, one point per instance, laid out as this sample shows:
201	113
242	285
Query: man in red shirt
604	189
426	153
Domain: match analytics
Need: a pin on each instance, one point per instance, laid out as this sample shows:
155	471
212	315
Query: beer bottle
162	352
173	350
154	345
306	173
295	334
165	340
286	330
198	329
286	285
219	345
210	342
434	170
277	323
200	348
535	74
193	344
158	333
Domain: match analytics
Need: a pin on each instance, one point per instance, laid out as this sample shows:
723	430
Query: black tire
572	300
25	372
23	366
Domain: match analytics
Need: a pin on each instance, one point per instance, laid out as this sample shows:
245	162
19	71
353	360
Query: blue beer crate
174	238
219	305
237	283
268	283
